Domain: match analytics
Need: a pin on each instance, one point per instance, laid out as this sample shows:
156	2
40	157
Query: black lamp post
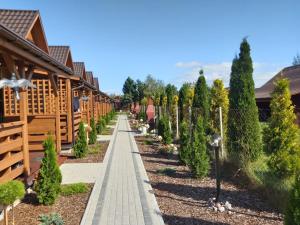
216	144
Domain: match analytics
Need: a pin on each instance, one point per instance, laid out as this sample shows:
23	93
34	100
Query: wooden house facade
49	108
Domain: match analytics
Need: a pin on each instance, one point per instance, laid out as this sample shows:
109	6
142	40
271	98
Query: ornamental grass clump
49	179
80	148
9	193
93	133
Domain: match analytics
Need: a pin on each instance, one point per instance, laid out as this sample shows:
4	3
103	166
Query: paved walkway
122	195
80	172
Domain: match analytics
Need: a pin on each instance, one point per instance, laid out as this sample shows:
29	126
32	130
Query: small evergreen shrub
184	150
51	219
72	189
292	214
11	191
93	133
142	115
200	162
80	148
164	130
99	125
49	178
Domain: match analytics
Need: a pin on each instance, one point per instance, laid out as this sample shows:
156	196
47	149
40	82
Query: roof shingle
19	21
60	53
79	69
90	77
291	73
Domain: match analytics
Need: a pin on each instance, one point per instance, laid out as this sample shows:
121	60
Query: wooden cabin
25	123
263	94
50	108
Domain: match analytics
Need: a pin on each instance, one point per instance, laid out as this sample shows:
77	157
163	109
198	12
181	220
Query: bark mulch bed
90	157
183	199
71	208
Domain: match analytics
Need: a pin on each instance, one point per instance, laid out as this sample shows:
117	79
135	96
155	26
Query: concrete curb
89	212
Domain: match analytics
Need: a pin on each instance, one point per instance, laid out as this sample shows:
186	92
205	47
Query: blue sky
170	39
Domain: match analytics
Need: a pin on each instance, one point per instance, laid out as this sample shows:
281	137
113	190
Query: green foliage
171	91
94	149
71	189
292	214
200	162
80	148
185	148
281	136
51	219
164	130
93	133
186	95
140	88
130	88
166	171
201	101
153	87
219	98
49	178
142	115
11	191
100	125
126	100
244	137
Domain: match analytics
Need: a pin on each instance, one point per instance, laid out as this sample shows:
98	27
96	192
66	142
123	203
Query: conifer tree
219	98
292	213
164	130
80	147
200	162
49	178
201	101
244	143
185	148
281	137
93	133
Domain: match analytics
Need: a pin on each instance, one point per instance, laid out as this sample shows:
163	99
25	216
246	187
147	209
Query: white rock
228	205
221	209
229	212
215	209
175	148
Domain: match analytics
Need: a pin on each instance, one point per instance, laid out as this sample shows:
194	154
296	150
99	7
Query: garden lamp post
216	144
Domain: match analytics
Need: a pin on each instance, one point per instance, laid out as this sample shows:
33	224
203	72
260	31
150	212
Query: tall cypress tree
200	162
244	141
201	101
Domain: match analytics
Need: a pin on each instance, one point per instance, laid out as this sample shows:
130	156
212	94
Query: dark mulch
183	199
90	158
71	208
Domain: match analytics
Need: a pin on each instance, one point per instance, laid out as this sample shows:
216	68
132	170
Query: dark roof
79	69
60	53
19	21
291	73
96	83
90	77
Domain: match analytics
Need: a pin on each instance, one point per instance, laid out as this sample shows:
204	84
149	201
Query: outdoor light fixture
216	143
85	98
16	84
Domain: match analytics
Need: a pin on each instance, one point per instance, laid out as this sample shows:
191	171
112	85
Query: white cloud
190	71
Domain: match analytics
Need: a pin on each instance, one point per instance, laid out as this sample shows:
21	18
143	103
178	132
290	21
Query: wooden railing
11	154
